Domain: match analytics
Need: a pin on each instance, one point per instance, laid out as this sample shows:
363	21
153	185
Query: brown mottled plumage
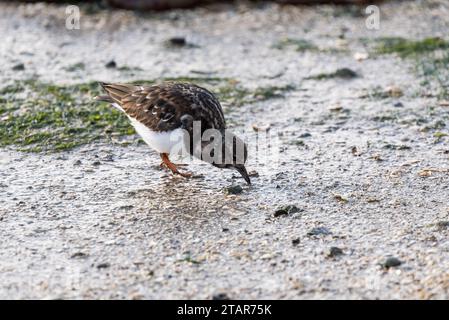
161	107
168	106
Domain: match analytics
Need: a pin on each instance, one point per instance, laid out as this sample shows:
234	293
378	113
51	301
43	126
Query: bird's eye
167	117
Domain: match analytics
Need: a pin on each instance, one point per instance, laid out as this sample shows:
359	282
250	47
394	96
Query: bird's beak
242	170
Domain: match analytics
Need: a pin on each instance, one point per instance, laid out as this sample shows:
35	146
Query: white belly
162	142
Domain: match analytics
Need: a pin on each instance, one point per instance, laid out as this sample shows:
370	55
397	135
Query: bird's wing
207	107
167	106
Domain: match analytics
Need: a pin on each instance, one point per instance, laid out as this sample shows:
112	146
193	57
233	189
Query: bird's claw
184	174
164	165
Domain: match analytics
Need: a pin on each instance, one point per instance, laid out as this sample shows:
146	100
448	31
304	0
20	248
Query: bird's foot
175	171
173	167
163	165
184	174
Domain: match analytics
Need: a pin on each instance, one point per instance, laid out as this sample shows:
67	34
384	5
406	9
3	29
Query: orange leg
166	161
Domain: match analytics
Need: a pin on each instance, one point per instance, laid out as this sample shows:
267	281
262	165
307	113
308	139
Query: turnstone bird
160	112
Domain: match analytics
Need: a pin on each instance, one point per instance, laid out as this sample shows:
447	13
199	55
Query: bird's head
234	154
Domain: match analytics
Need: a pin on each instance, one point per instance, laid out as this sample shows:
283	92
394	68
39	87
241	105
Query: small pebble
78	255
233	190
19	67
103	265
286	211
442	225
335	107
177	41
334	252
296	241
111	64
394	91
346	73
253	173
444	103
340	198
398	104
258	128
319	231
391	262
109	158
220	296
280	212
359	56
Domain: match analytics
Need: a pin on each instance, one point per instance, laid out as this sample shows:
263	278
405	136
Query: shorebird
158	112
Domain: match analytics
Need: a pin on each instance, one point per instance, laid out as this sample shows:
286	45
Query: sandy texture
103	221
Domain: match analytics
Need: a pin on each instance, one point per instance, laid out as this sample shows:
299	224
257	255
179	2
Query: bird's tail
106	97
114	93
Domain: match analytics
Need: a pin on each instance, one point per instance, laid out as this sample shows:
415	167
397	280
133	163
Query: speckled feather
166	106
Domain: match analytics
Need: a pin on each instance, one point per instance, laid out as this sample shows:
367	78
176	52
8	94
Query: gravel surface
354	206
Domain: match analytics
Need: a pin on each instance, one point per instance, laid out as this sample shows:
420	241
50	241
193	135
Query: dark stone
289	209
392	262
296	241
177	41
305	135
109	158
234	190
346	73
220	296
111	64
334	252
398	104
319	231
79	255
280	212
441	225
253	173
19	67
103	265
